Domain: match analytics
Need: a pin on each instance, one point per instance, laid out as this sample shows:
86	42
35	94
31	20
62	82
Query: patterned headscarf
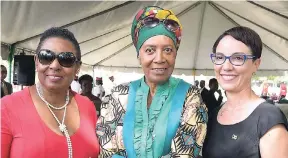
141	33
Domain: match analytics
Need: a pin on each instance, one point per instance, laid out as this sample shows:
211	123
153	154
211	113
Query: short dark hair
247	36
213	81
61	33
2	66
85	77
99	82
202	83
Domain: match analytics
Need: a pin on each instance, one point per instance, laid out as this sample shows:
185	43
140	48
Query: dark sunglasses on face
65	59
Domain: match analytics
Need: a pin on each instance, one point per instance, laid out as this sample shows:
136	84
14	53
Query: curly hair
85	77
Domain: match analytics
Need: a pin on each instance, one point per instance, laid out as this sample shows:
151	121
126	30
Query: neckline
160	87
45	125
237	123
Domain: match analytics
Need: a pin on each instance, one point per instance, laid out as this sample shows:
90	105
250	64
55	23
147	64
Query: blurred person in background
283	90
86	82
283	100
265	92
98	90
196	83
6	87
75	85
210	99
203	90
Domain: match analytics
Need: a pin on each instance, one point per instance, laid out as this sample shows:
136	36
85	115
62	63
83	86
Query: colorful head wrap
141	33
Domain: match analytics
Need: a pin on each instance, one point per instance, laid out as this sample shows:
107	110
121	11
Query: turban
140	33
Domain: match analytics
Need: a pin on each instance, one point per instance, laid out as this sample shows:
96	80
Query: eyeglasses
236	59
65	59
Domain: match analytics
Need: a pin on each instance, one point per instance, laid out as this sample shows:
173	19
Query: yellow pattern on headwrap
147	13
163	14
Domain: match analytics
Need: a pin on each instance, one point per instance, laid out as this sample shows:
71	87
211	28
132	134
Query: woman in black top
245	126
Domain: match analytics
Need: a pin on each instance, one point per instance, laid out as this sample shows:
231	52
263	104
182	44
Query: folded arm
191	133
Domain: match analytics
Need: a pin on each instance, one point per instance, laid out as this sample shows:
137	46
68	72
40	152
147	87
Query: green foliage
272	78
255	77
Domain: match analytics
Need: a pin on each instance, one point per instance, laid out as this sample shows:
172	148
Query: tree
272	78
254	77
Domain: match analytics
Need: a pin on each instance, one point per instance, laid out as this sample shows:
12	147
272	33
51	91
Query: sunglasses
65	59
237	59
169	24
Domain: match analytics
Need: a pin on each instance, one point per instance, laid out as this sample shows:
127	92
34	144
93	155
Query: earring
253	73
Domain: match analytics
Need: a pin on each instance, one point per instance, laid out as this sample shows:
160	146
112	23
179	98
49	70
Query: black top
9	88
241	140
96	100
210	101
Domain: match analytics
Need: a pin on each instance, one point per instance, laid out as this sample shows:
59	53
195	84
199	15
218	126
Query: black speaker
24	70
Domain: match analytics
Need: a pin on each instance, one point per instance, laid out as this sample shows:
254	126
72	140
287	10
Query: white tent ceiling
103	30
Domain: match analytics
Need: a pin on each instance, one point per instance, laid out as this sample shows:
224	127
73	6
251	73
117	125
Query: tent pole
194	74
199	35
10	60
93	67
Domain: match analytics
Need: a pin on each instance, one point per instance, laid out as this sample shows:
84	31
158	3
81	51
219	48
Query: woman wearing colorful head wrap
157	115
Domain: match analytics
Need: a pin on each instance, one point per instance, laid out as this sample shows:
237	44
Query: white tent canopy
103	30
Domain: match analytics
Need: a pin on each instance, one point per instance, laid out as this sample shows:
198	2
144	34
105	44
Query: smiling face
54	76
234	78
157	57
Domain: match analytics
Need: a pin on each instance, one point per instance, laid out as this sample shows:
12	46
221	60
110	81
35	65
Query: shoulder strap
175	114
129	118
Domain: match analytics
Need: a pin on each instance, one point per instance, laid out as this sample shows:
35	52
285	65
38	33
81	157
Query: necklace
38	88
62	126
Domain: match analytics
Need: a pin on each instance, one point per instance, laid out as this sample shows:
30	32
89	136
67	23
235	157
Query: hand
219	92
